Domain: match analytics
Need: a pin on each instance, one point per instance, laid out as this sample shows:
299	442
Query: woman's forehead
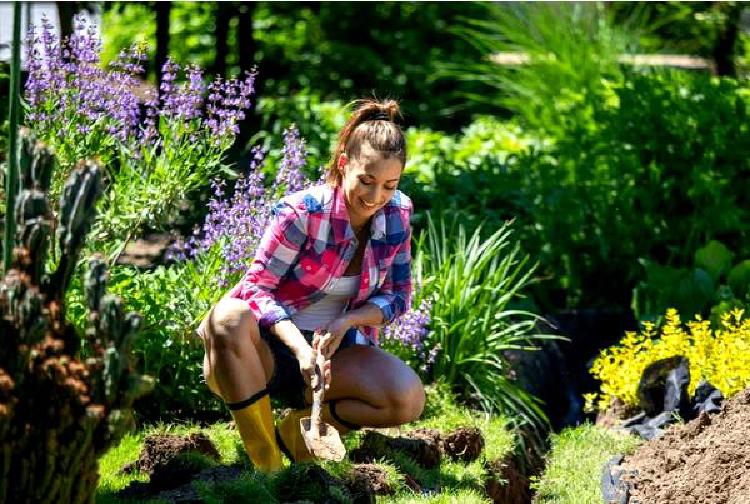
371	159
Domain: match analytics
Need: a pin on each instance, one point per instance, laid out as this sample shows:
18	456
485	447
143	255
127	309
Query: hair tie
380	116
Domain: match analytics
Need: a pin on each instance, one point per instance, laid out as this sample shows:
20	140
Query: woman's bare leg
237	363
373	388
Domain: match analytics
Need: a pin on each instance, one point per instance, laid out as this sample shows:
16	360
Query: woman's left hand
328	342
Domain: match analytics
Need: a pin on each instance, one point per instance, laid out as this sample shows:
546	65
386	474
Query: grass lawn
574	464
458	482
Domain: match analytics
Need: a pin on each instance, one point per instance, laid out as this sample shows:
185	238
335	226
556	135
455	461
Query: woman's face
368	182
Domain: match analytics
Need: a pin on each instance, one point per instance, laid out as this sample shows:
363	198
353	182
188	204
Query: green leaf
739	278
715	258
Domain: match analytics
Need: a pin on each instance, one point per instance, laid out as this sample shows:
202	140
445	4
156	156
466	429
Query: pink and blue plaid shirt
310	242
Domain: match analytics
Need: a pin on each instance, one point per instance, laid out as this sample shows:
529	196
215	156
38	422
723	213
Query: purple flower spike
290	176
411	330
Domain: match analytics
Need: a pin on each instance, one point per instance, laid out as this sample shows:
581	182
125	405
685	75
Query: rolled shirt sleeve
394	295
277	253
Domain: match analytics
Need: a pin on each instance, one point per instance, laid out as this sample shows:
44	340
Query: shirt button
308	267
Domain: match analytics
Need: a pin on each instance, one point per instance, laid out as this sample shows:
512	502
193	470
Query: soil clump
506	483
706	460
464	444
422	446
159	450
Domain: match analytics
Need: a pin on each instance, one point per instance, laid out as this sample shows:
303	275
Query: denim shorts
287	386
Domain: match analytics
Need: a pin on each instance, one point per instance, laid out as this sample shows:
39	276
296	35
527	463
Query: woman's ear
343	159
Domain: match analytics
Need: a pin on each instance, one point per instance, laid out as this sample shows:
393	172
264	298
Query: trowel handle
318	389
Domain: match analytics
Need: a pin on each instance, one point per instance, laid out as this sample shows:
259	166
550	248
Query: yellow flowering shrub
721	356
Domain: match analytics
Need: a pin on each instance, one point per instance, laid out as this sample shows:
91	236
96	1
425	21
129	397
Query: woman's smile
368	206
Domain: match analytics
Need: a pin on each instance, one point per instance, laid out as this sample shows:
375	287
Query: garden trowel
321	439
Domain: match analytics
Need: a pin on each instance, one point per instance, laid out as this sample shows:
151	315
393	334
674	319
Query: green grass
458	482
574	464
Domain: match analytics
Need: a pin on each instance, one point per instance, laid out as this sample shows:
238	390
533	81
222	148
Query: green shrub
572	50
655	175
318	122
466	173
172	301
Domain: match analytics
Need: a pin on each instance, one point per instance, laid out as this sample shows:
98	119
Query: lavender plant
173	148
235	223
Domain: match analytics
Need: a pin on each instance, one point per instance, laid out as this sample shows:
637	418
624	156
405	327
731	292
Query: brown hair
373	122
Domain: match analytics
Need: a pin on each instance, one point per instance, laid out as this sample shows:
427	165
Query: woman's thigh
374	376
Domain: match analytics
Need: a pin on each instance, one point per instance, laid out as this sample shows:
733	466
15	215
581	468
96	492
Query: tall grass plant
476	284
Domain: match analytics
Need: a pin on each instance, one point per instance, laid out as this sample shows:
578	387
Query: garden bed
452	455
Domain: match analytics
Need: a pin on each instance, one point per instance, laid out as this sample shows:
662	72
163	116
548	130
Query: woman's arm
277	253
366	315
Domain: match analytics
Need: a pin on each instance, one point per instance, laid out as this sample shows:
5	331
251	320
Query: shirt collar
342	229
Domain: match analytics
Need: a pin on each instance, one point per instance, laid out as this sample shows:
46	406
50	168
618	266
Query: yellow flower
721	356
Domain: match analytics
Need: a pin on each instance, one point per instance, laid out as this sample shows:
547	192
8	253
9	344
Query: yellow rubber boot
254	420
289	434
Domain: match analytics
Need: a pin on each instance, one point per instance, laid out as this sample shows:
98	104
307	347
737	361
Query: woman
336	258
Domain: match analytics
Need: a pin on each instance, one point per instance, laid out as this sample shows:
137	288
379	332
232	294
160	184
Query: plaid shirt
310	242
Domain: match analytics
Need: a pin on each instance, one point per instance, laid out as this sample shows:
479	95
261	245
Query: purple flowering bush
157	148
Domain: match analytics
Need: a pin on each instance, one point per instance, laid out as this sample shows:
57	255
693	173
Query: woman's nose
374	195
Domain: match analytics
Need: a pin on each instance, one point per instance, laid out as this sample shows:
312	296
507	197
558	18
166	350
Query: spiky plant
58	412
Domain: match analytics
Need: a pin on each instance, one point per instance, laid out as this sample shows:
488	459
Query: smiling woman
332	267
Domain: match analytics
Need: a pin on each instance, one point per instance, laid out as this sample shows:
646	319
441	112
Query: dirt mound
310	482
159	449
422	446
371	476
187	493
704	461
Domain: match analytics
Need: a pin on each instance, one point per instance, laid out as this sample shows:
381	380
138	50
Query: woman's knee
407	400
228	325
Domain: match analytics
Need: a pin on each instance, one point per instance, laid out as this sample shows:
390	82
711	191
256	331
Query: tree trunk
224	12
246	48
163	10
65	13
726	40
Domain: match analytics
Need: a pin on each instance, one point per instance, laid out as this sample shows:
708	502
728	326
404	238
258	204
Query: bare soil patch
706	460
506	483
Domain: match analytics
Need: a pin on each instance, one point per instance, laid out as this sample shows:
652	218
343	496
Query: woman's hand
328	341
306	357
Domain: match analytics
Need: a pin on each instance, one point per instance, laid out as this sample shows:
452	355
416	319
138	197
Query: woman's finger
327	371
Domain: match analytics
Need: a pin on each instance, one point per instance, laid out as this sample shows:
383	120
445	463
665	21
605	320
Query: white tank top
323	312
